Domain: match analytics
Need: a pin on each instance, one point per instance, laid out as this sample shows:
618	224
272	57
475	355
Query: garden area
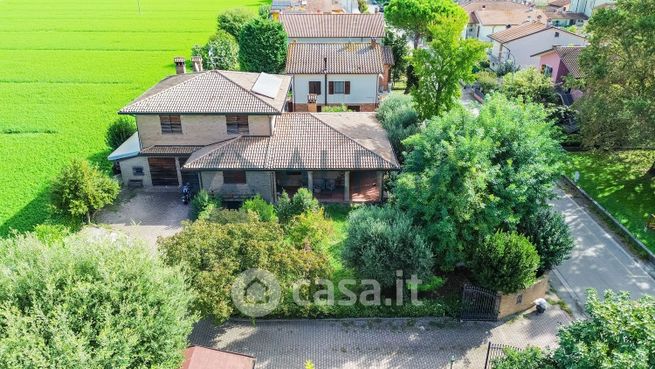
620	182
68	67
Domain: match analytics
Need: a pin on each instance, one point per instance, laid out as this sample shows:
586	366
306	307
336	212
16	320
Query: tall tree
220	52
263	46
466	177
416	16
618	108
233	20
399	48
446	61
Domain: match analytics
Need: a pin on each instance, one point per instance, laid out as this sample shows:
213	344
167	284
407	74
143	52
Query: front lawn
621	184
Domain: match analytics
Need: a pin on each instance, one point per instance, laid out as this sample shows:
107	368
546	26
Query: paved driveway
146	215
598	261
377	343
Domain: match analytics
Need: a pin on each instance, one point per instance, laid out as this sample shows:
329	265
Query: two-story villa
229	132
337	59
351	74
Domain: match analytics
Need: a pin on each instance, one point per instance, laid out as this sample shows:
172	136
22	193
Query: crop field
66	67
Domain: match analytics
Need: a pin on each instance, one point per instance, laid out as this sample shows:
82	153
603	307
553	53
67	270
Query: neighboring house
518	45
587	7
313	6
333	28
198	357
559	62
229	133
562	18
487	17
351	74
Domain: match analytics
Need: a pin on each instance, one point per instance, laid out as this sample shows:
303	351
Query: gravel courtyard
146	215
377	343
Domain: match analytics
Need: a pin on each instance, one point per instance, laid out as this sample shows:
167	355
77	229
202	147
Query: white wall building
519	45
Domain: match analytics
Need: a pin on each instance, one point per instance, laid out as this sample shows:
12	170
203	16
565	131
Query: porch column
310	181
346	186
179	172
380	184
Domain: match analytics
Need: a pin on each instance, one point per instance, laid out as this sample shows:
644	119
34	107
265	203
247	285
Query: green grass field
620	183
67	67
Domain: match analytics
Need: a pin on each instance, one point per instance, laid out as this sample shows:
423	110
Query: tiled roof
170	149
517	32
241	152
556	14
333	25
198	357
209	92
559	3
472	6
306	141
508	16
570	56
342	58
387	56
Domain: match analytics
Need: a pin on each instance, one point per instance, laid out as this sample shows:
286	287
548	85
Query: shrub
399	118
226	216
233	20
505	262
264	11
335	109
382	240
529	84
363	6
119	131
220	52
530	358
310	230
303	201
81	189
90	303
264	210
215	254
262	46
203	203
51	233
487	81
550	234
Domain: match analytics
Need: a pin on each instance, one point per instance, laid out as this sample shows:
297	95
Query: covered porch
333	186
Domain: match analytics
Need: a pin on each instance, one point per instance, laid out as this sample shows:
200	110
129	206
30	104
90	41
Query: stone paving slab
377	343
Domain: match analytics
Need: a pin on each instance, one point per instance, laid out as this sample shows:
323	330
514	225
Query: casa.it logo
256	293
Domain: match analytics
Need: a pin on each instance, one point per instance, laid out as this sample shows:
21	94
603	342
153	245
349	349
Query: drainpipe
325	72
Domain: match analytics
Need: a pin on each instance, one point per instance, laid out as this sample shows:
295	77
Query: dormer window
170	124
237	124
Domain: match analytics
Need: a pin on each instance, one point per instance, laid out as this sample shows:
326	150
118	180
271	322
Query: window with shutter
339	88
347	88
234	177
170	124
237	124
315	87
331	88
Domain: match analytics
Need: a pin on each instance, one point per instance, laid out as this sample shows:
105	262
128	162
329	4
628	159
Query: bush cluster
202	204
90	303
399	118
119	131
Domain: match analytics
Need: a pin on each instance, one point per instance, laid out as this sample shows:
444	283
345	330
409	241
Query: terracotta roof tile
306	141
209	92
342	58
517	32
333	25
570	56
169	149
508	16
197	357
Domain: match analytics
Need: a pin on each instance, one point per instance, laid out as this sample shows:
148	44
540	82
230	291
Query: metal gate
496	351
479	303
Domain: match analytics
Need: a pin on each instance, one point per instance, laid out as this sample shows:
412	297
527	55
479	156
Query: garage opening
163	171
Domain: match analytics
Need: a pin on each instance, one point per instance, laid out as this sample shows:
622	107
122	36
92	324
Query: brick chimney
374	43
180	65
196	61
311	103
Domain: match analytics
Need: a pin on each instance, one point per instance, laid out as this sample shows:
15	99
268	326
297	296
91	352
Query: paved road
377	343
598	261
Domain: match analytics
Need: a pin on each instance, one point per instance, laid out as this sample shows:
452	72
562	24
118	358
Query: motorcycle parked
186	193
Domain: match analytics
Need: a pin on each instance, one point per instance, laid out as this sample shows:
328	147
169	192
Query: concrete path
598	261
377	343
